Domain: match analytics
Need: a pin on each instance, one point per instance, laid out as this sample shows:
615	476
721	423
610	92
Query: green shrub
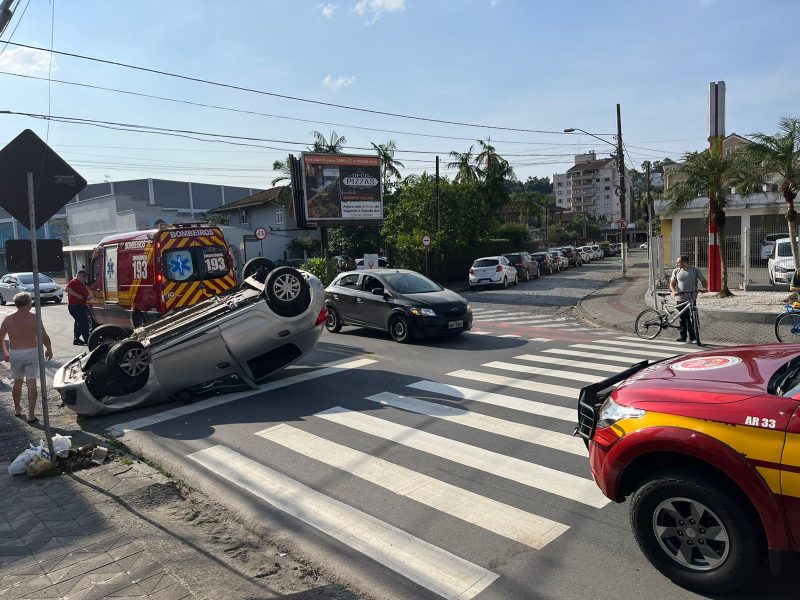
514	232
324	271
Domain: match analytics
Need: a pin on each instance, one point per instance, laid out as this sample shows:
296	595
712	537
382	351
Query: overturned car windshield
411	283
197	262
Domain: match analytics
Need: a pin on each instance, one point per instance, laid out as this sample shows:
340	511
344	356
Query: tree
777	156
463	161
712	174
493	170
386	153
282	167
333	145
355	240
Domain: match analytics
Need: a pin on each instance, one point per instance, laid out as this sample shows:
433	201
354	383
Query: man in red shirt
78	294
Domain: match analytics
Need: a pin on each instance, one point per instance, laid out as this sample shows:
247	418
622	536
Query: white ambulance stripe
558	373
565	362
120	429
643	344
527	406
658	340
628	360
539	340
523	384
550	480
433	568
599	348
502	519
518	431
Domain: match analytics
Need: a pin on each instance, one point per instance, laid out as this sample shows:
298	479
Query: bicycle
651	322
787	324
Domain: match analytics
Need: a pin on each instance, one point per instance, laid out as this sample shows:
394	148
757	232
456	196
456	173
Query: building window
244	217
279	217
608	187
560	184
597	180
607	179
607	196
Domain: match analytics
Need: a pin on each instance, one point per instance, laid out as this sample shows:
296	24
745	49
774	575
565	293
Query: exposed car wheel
696	531
59	299
398	329
128	362
287	292
258	267
106	334
516	279
504	284
333	323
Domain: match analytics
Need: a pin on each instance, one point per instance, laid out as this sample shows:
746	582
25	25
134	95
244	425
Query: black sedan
403	302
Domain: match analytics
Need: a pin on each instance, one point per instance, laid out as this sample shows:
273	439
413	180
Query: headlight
469	307
611	412
423	312
782	270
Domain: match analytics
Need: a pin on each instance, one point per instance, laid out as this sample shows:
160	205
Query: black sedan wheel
287	292
398	329
696	531
106	334
333	323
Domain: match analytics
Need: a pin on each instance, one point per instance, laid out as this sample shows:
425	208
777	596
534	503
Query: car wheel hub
691	534
135	362
287	287
399	328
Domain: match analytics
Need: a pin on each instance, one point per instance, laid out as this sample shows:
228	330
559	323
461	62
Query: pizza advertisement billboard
342	187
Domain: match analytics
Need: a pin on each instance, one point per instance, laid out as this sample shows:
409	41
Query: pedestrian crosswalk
525	322
486	448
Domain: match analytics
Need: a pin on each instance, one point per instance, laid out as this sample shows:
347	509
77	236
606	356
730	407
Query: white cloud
26	61
378	8
327	9
338	83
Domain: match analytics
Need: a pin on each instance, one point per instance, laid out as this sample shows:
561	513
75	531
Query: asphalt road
439	469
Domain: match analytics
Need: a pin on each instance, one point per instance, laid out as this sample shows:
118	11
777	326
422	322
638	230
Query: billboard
342	187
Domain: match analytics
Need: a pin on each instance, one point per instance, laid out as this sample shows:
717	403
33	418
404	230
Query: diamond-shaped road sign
55	182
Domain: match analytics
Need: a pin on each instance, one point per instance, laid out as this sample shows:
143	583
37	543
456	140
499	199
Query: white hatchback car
492	270
780	265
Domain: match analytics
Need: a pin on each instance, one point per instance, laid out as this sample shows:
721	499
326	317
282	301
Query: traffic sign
261	233
623	224
426	240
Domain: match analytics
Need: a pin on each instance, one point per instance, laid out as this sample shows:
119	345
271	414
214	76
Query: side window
5	279
370	283
348	281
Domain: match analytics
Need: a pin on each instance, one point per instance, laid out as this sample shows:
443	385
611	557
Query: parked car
404	303
222	343
590	254
706	448
557	260
643	246
545	262
780	265
14	283
492	270
768	244
524	264
616	248
583	255
598	253
571	255
605	248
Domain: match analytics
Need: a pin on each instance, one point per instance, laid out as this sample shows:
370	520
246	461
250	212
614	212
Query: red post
714	259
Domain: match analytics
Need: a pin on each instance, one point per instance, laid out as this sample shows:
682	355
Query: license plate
455	324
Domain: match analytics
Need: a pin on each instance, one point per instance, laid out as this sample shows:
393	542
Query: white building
592	187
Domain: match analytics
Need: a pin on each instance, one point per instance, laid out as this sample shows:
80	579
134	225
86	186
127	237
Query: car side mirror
378	291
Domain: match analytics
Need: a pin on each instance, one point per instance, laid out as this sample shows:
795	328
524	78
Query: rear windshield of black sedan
409	283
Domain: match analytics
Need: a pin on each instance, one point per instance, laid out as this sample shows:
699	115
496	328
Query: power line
13	31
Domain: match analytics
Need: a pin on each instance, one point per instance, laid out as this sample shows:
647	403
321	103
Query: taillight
158	277
471	271
322	317
499	269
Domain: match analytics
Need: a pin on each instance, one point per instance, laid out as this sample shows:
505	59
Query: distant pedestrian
683	284
78	296
20	328
351	264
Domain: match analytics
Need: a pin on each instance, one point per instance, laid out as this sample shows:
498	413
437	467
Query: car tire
287	291
664	498
504	285
2	300
128	363
106	334
333	322
59	299
258	267
399	329
527	274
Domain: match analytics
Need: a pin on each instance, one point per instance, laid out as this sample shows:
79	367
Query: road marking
528	406
478	332
595	355
579	364
433	568
523	384
502	519
536	476
539	340
546	325
558	373
525	318
602	350
643	344
510	335
518	431
681	345
121	428
486	312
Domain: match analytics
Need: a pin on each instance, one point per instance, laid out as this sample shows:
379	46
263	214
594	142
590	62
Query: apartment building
591	186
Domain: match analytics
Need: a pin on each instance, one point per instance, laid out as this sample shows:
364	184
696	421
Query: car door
790	475
343	296
372	308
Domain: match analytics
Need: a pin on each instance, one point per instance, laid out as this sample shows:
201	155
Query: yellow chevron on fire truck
136	277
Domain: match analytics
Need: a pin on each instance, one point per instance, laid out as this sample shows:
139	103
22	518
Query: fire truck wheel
258	267
287	292
128	362
106	334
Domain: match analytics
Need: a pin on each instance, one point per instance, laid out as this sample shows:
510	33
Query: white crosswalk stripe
659	341
539	339
514	469
628	360
436	569
603	350
647	345
526	318
565	362
557	373
502	519
523	384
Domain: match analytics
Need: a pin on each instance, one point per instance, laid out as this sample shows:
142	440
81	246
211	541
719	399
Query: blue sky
505	63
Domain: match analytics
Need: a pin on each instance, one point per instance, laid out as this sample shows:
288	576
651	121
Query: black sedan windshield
411	283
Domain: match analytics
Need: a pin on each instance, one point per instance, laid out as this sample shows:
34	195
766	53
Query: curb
584	314
726	316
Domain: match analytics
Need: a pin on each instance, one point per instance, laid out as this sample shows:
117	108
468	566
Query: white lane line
487	312
557	373
579	364
539	340
649	345
431	567
502	519
546	325
602	350
659	341
595	355
527	406
523	384
478	332
121	428
517	431
510	335
537	476
522	318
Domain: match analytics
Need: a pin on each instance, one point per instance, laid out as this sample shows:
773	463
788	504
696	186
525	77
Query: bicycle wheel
649	324
696	324
787	328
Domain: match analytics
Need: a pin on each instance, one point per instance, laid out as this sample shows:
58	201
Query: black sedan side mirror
378	291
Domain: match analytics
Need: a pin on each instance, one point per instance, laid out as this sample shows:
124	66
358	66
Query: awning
80	248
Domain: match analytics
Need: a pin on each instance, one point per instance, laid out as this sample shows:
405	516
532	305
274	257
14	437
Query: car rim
331	320
691	534
399	329
286	287
135	362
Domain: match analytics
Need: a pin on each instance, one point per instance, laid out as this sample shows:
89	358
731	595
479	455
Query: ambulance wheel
288	293
129	362
258	267
106	334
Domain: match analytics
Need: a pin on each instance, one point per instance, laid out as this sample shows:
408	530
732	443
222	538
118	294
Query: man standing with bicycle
683	284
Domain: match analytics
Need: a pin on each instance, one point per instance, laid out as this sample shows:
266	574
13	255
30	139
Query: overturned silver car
229	342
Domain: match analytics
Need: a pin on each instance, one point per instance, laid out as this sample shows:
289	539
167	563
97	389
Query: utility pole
5	14
438	208
647	197
622	195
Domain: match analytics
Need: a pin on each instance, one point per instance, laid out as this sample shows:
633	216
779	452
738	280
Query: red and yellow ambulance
136	277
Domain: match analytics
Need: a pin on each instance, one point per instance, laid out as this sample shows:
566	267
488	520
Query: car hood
712	377
434	299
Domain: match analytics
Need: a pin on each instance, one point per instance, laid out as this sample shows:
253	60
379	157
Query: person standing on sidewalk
20	328
683	284
78	297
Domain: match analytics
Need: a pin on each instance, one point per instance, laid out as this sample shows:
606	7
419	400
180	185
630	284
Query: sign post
426	241
260	234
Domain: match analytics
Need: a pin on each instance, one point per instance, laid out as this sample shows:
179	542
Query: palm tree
777	156
494	170
333	145
463	162
386	153
708	173
282	167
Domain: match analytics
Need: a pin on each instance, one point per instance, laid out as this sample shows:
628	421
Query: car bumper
433	326
494	280
782	277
